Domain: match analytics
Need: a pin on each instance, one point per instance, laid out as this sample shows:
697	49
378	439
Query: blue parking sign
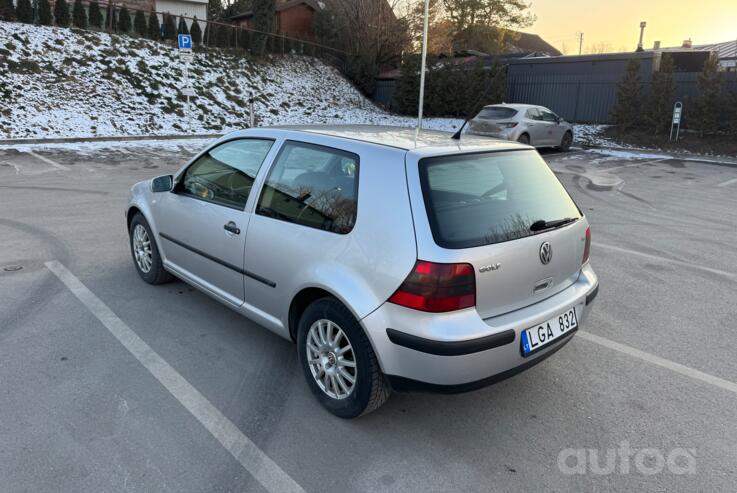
185	42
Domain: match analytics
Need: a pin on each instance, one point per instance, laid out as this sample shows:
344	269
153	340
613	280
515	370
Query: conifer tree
44	13
709	98
94	14
124	21
627	107
195	32
79	15
659	105
170	27
182	27
7	10
61	13
154	28
139	23
24	11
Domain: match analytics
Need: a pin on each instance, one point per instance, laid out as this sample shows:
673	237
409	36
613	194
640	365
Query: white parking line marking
13	165
728	182
48	161
662	362
252	458
725	273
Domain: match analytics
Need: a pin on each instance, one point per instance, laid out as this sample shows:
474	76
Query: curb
125	138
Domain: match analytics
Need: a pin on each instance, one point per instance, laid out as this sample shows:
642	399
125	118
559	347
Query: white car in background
525	123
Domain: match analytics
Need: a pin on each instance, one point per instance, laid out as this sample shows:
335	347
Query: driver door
553	129
202	224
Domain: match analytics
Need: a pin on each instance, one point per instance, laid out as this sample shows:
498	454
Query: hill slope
57	82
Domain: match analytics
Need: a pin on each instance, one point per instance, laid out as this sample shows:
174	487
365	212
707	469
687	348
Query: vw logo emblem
546	252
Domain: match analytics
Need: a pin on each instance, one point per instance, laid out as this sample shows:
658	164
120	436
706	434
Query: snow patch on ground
628	155
59	82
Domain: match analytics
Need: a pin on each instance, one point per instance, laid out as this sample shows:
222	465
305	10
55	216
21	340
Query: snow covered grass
58	82
593	135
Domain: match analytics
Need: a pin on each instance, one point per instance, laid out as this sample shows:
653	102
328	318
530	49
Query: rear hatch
492	120
507	215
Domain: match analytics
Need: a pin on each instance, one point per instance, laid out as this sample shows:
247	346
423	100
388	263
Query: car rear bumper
459	351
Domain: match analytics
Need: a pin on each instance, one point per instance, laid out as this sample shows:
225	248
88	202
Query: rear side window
485	198
313	186
497	113
534	114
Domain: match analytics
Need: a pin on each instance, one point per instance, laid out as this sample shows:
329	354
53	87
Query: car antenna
457	135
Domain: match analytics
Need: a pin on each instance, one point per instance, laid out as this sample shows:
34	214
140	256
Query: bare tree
369	30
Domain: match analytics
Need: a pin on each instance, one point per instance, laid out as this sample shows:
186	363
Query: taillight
510	125
432	287
587	247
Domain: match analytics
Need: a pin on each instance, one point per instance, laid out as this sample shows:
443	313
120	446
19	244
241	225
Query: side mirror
162	183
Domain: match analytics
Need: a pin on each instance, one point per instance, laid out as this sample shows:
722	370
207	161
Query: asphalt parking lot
649	385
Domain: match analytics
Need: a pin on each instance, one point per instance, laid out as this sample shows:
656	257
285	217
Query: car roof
405	138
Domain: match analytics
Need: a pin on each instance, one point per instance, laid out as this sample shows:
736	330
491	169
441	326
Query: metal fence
590	98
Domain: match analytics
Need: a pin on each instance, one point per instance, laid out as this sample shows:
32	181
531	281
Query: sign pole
186	57
186	83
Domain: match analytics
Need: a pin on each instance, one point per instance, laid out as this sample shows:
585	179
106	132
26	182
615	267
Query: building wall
146	5
130	4
179	7
296	21
584	89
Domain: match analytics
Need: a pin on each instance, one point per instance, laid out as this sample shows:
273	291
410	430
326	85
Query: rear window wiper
542	224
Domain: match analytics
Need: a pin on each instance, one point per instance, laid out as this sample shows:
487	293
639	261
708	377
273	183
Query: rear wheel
338	361
566	141
145	253
524	139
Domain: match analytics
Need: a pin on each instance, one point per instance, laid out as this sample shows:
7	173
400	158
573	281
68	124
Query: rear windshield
485	198
497	113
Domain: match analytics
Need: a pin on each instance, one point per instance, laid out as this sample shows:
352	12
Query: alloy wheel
142	248
331	359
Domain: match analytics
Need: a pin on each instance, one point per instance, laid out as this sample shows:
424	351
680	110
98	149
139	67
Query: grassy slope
68	82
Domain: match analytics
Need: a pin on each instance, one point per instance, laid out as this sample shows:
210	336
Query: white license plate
545	333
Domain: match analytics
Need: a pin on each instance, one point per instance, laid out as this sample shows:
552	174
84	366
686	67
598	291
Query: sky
615	24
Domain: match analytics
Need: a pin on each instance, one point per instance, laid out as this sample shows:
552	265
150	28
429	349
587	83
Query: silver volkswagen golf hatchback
394	259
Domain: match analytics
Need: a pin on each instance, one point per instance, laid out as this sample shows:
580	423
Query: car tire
524	139
145	252
566	141
369	389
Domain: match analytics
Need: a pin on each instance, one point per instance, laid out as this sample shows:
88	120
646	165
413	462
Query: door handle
231	227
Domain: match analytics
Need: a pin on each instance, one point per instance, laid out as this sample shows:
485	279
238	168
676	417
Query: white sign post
186	57
676	122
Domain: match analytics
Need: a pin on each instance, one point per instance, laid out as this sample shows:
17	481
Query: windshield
485	198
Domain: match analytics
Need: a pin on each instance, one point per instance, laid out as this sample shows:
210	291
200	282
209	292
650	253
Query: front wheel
145	253
566	141
338	361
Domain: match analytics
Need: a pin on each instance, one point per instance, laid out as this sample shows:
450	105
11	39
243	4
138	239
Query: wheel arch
132	211
306	296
